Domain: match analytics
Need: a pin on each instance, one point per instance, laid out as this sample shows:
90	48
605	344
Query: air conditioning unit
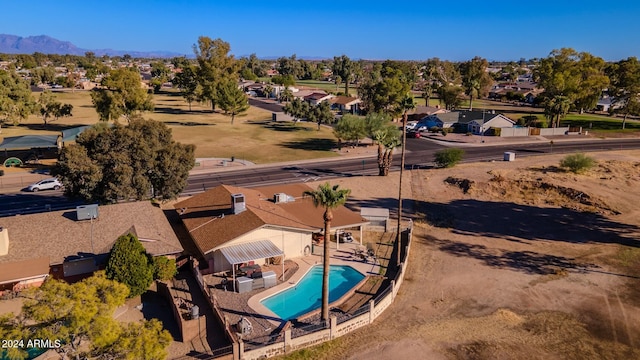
280	198
87	212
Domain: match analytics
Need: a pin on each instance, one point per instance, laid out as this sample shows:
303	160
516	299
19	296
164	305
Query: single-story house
58	244
421	111
346	104
317	97
480	126
441	120
264	222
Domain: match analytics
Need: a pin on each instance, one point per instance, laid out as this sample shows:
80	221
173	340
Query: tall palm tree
406	104
329	198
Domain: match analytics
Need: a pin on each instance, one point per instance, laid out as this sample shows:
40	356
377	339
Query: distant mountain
12	44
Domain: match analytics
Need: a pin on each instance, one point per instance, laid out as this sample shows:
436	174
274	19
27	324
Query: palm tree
329	198
267	90
406	104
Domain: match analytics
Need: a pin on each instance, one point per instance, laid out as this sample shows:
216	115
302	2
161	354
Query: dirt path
512	271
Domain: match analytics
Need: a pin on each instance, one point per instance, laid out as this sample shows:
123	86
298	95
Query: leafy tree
284	80
42	75
12	329
289	67
329	198
556	108
159	75
129	264
321	114
350	128
164	268
49	107
231	99
448	157
450	96
375	122
286	95
187	80
267	90
475	79
121	94
577	163
297	108
124	162
81	316
16	101
343	68
625	87
215	66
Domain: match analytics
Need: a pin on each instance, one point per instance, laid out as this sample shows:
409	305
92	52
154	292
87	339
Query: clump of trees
50	107
136	161
16	101
320	114
577	163
80	316
449	157
121	94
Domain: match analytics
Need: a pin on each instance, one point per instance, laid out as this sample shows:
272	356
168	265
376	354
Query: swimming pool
306	295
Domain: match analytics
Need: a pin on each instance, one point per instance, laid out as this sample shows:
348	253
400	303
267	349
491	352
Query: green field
252	137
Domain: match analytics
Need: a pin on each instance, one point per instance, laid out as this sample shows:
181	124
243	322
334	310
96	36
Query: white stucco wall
291	242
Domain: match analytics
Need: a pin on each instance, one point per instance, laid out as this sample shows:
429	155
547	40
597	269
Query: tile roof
316	96
61	237
344	100
208	218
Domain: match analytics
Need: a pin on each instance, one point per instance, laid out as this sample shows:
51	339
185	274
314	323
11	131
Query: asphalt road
420	154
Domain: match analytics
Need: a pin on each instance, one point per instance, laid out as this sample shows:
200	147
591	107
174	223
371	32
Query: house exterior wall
292	242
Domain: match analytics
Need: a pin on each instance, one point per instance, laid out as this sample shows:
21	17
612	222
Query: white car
411	125
46	184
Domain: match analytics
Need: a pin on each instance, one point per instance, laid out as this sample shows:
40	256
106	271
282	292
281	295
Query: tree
267	90
289	67
231	99
556	108
321	114
81	317
350	128
129	264
625	87
138	161
450	96
329	198
407	104
297	108
475	78
159	75
164	268
121	94
49	107
343	68
187	80
215	66
16	101
388	138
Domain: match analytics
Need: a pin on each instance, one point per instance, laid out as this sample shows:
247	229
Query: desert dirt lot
523	261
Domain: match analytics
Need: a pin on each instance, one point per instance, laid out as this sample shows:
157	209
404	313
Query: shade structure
29	142
242	253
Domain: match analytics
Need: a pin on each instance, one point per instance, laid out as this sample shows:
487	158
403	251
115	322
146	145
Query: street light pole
482	127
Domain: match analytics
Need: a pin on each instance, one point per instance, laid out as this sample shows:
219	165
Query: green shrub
164	268
129	264
448	157
577	163
444	133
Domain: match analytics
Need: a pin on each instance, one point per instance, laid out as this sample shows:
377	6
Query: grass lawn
252	136
326	86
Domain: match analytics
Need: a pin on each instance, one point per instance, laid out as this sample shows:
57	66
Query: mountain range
13	44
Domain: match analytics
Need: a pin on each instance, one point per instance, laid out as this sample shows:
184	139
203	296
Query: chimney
237	203
4	241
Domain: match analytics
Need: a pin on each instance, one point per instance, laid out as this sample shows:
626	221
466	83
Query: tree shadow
176	111
187	123
311	144
51	126
525	223
281	126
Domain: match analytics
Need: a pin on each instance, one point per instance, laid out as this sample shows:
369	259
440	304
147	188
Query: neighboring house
441	120
346	104
33	247
480	126
604	104
265	222
421	111
317	97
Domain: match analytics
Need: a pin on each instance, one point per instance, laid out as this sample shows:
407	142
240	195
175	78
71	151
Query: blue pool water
306	295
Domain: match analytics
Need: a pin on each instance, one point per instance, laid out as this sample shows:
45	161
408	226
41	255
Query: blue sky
396	29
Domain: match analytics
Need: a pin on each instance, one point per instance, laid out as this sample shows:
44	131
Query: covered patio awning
29	142
241	253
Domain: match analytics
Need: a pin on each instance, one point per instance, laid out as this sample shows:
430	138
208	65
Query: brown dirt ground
530	262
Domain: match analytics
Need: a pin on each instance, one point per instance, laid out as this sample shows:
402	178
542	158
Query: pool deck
342	256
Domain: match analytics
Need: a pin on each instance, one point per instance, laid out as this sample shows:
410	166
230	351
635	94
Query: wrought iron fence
381	295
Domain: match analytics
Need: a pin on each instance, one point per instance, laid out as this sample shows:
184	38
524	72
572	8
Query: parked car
46	184
413	134
411	125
